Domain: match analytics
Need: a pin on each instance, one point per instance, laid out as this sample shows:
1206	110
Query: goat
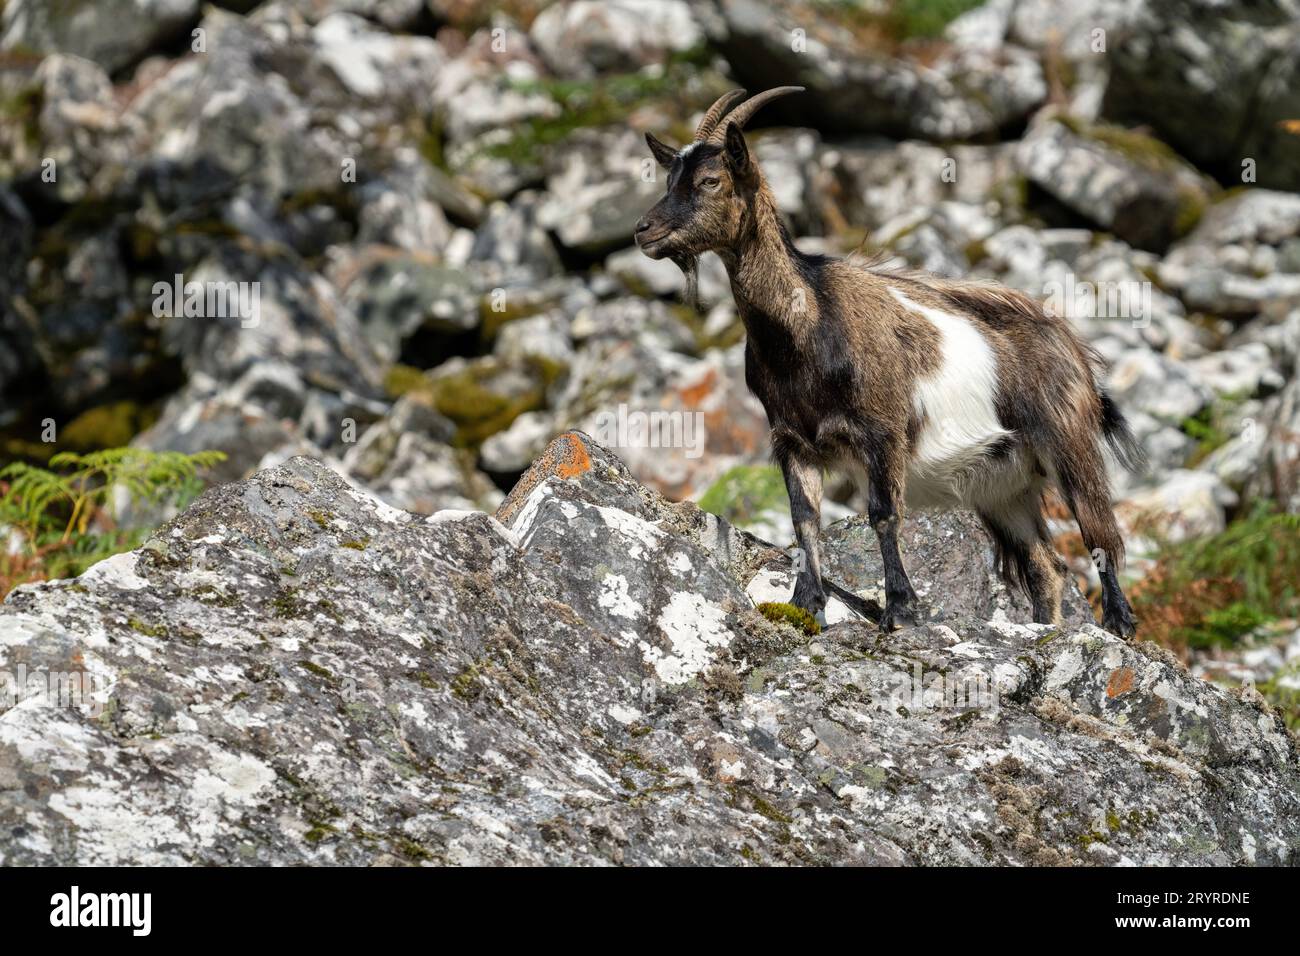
941	393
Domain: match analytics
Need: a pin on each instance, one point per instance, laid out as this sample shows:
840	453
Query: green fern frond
64	497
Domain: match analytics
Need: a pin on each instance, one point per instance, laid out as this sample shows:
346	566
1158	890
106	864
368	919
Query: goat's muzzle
650	238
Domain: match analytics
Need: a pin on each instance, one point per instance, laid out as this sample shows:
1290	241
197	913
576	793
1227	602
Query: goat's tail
1115	429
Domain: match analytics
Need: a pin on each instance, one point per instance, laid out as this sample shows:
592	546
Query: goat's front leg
803	485
885	469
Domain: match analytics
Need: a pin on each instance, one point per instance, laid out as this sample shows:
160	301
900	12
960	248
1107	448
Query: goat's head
711	185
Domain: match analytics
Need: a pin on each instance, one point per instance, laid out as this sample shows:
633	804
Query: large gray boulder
1126	182
1216	79
961	92
1243	255
290	672
113	33
579	38
1278	474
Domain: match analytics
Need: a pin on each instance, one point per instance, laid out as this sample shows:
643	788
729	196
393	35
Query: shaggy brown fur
836	356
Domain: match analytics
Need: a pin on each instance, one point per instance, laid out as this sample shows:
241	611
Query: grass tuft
1215	590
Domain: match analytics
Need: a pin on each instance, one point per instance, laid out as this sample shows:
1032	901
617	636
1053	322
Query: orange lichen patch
693	395
577	461
566	457
1121	682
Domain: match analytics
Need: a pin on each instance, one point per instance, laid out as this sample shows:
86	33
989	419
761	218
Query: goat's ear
664	155
736	150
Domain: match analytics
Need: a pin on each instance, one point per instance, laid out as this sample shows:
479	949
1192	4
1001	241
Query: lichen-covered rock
1121	180
960	93
579	38
1243	255
292	672
1218	80
111	32
399	295
406	460
597	192
82	136
1278	476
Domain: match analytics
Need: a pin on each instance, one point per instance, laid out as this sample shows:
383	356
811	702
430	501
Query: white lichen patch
614	598
234	778
680	563
450	516
1008	678
1023	632
48	736
768	585
18	630
117	571
1067	667
693	627
526	517
1178	701
1035	750
624	715
243	719
415	712
647	537
383	511
111	829
861	799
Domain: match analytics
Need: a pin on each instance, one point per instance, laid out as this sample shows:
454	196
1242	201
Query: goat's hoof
812	600
897	616
1121	625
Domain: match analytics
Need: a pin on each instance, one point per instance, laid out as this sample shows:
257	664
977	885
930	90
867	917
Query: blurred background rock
437	199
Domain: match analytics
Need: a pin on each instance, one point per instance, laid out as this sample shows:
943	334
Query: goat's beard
690	266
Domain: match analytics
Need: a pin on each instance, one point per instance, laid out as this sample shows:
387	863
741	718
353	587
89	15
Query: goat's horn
716	112
743	113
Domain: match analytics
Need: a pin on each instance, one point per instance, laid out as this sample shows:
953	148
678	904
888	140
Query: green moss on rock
745	492
105	426
779	612
401	379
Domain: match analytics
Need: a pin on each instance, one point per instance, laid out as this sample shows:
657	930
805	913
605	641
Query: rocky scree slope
294	672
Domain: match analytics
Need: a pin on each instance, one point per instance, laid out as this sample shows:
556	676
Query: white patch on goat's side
957	403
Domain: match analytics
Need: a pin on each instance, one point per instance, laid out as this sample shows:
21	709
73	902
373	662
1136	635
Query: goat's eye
710	182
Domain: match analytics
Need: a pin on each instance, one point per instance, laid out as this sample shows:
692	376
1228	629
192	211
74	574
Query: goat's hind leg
1025	554
1084	484
803	485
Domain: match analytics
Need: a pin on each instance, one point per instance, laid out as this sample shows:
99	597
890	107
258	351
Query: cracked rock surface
292	672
